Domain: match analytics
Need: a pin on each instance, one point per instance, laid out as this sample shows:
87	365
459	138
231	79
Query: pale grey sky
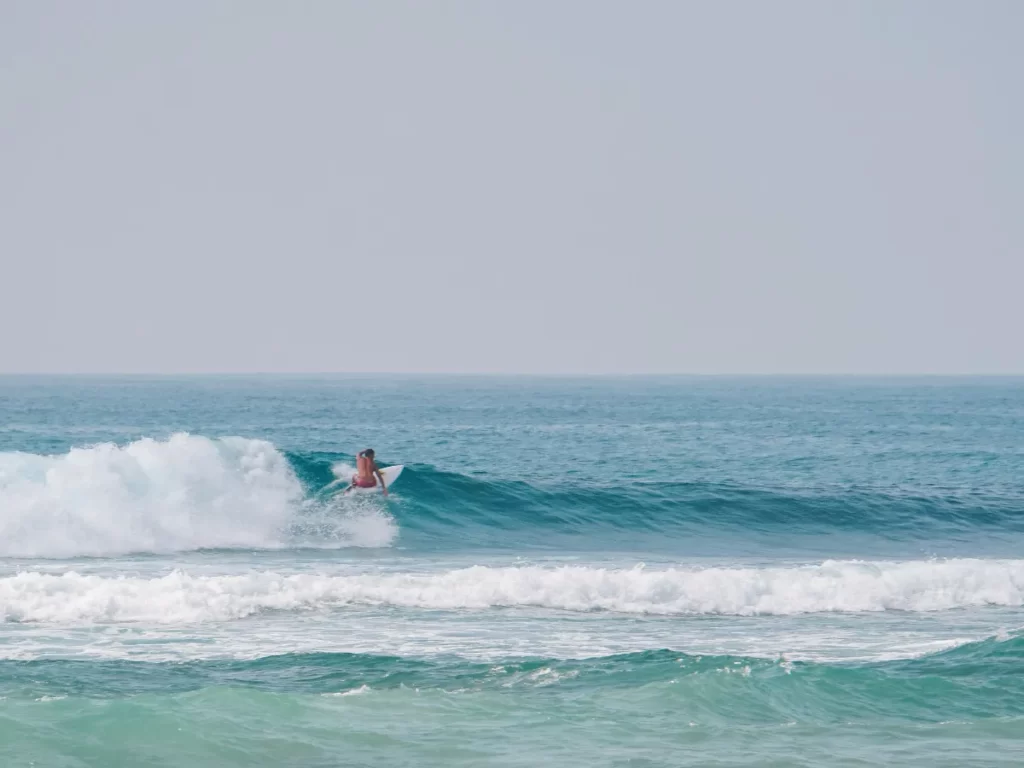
706	187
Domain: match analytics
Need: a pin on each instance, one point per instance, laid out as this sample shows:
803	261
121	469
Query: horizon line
525	374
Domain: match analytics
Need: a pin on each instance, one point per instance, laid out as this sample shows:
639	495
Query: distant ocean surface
570	571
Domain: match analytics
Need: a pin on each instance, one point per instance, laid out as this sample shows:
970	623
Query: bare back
365	467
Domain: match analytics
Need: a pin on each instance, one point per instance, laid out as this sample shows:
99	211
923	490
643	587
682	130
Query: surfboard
390	474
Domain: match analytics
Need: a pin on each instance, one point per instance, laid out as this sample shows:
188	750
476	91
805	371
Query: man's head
368	453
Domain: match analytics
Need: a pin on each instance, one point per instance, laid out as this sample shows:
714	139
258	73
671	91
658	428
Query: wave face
968	681
183	493
831	587
440	509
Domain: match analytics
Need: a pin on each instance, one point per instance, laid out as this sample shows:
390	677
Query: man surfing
367	473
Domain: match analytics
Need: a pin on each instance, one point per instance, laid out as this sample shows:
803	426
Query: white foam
185	492
832	586
343	521
343	471
351	692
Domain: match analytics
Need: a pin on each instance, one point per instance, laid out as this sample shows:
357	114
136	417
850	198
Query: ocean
634	571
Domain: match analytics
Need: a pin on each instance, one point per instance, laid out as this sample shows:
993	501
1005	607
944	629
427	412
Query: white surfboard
390	474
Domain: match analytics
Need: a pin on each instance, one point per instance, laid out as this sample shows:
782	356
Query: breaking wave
189	492
186	492
828	587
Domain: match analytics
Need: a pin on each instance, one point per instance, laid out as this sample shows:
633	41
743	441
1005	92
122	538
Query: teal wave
432	504
977	680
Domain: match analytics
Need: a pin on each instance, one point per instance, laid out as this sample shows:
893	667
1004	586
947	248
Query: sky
512	187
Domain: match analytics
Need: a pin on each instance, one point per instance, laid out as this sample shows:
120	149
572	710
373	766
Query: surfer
367	472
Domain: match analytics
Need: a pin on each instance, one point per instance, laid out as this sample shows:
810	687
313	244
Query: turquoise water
635	571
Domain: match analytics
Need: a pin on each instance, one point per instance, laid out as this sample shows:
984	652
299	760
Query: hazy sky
706	187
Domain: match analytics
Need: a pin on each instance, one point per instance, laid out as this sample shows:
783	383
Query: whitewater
180	493
833	586
675	570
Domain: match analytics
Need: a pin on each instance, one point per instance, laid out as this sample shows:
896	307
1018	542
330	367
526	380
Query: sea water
574	572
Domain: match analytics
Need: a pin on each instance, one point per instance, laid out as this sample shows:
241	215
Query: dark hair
368	453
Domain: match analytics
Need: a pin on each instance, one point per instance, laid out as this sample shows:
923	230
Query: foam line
832	586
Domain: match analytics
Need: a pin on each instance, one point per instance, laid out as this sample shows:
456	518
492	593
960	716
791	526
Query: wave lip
183	493
829	587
